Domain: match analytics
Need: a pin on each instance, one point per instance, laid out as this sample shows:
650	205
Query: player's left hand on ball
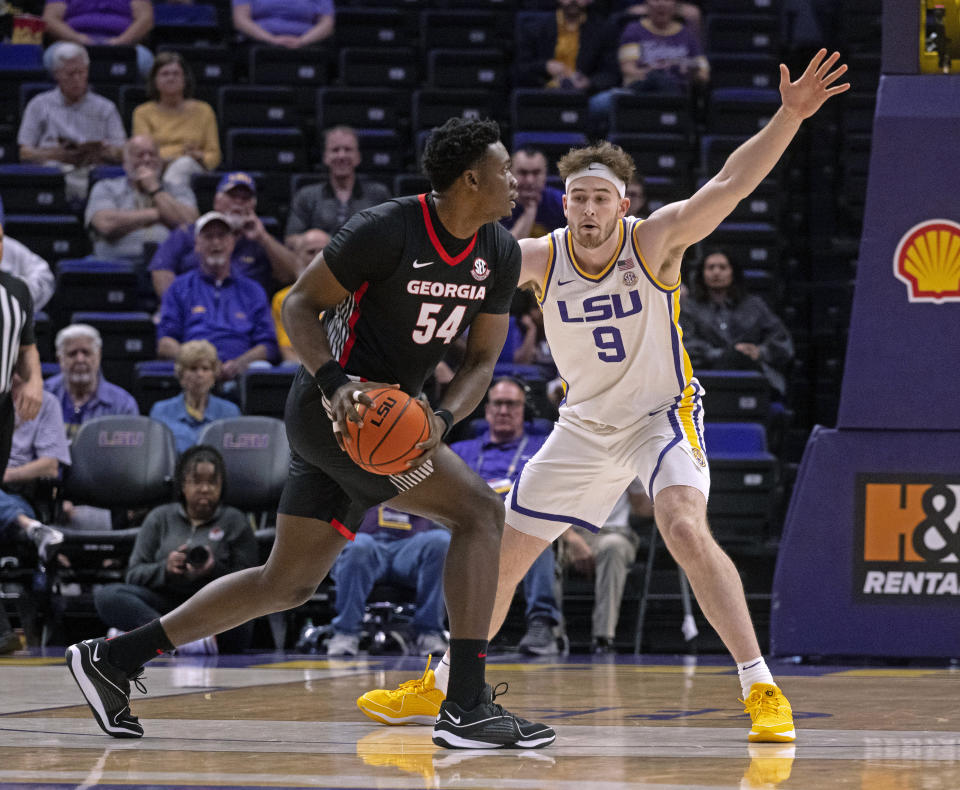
345	402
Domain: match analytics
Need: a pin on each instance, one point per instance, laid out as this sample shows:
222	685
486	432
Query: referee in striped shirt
21	383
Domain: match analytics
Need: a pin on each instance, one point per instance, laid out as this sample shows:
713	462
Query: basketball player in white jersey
609	288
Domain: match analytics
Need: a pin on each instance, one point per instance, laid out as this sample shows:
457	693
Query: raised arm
673	228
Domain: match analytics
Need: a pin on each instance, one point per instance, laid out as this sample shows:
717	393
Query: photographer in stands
181	547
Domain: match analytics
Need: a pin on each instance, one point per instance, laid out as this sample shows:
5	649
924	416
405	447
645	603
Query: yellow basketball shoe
412	702
771	715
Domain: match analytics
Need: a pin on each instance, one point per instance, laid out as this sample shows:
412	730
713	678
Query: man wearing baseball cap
211	302
256	254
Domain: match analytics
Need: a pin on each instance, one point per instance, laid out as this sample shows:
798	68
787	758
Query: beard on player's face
593	232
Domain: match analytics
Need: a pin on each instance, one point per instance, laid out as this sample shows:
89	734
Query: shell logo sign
927	260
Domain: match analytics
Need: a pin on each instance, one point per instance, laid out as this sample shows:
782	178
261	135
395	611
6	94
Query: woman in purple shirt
284	23
111	22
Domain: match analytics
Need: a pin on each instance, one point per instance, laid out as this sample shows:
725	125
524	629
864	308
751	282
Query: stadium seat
51	236
257	105
21	63
364	27
29	89
735	395
657	154
32	188
112	64
660	190
757	245
651	114
266	149
153	380
257	457
430	107
742	70
743	475
91	284
381	150
211	65
478	69
460	29
548	110
552	144
128	338
741	111
121	461
763	204
176	23
748	33
361	108
394	67
295	68
265	392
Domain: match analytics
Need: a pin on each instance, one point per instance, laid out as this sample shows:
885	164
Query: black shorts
323	482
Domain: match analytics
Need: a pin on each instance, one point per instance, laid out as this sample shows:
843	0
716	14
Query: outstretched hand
807	95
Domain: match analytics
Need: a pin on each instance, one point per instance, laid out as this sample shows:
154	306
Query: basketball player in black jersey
396	285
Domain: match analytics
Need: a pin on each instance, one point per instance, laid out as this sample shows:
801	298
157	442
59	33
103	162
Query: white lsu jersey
615	335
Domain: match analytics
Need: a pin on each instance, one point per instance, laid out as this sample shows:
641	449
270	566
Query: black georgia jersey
414	289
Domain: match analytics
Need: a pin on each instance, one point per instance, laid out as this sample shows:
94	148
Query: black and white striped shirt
16	325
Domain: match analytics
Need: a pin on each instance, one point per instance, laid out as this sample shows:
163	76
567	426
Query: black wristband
330	377
447	416
155	192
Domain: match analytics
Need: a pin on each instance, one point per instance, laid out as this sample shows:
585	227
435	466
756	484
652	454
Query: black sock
132	650
468	666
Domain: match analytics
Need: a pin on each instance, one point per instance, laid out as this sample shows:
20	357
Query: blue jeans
11	506
538	588
416	562
128	606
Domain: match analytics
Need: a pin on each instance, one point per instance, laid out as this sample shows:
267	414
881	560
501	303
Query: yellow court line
29	661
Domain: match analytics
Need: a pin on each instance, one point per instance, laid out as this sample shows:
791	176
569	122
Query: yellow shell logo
928	261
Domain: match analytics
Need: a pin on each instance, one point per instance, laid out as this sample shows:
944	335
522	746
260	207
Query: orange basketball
390	433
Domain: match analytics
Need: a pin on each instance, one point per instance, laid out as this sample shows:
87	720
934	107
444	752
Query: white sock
442	673
753	671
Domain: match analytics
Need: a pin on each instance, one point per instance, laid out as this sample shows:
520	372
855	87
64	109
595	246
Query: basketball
390	433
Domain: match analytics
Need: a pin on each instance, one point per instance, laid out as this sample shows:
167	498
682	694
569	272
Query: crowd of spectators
219	277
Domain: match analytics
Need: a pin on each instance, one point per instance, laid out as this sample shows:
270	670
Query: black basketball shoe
488	726
105	687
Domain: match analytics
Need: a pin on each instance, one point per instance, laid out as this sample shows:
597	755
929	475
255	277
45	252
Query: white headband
597	170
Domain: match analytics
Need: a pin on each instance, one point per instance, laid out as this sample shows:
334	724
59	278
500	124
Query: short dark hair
456	146
194	456
164	59
735	292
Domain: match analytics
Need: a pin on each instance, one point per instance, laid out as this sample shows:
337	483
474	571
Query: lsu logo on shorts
907	538
698	456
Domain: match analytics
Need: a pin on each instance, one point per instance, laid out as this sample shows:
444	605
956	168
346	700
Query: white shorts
580	473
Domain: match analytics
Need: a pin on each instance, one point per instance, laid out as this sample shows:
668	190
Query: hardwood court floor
647	722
